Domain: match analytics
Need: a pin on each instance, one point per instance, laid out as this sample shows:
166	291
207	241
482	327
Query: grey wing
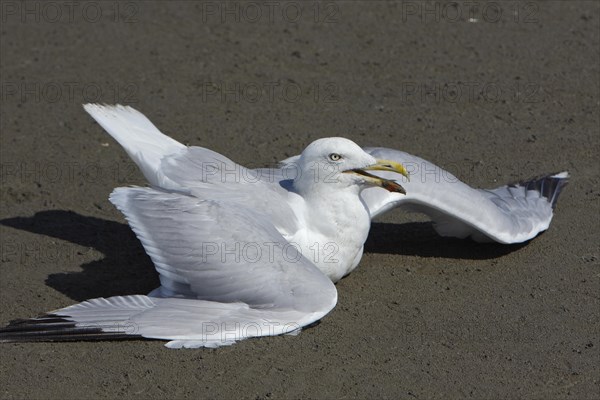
508	214
204	174
170	165
226	274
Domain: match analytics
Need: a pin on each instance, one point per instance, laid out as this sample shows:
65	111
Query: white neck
337	226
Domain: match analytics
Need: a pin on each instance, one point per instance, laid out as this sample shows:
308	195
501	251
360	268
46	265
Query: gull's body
244	253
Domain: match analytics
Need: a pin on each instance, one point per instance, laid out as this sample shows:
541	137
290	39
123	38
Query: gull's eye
335	157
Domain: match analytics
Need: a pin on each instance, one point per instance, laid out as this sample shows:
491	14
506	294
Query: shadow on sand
126	269
420	239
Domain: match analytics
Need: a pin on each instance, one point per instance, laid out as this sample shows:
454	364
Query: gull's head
338	163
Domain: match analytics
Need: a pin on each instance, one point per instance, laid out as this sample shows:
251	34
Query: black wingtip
550	186
54	328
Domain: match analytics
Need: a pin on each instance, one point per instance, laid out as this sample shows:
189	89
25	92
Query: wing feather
225	272
140	138
508	214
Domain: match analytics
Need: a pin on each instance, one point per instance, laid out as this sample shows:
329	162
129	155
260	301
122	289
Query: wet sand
510	94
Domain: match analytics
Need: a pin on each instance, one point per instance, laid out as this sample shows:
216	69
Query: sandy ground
511	94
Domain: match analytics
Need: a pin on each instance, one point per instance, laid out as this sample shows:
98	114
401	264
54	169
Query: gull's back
197	171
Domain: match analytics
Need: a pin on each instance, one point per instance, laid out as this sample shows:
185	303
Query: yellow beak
383	165
389	165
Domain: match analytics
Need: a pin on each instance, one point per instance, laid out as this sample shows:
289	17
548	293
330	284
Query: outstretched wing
509	214
226	274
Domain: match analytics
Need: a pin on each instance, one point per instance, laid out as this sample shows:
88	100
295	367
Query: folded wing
226	274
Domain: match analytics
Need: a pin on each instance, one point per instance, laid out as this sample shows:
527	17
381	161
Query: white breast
333	233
